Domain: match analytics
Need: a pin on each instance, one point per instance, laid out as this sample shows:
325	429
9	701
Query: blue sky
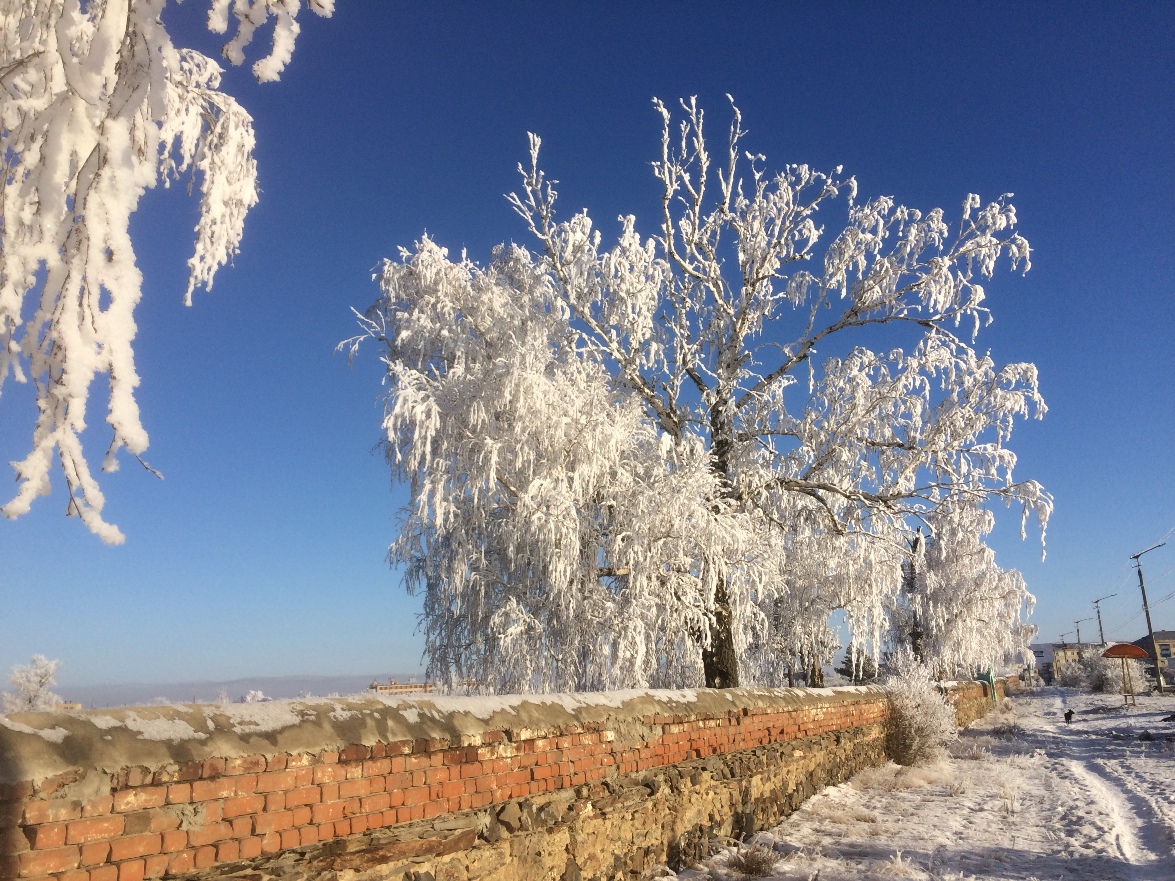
262	551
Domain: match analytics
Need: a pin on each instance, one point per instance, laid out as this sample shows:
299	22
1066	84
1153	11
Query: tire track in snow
1140	830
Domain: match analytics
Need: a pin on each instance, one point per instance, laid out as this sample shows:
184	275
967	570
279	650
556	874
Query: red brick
307	795
277	763
137	799
271	843
324	812
303	815
275	801
354	788
309	835
34	863
328	757
150	821
137	775
377	767
175	840
156	866
52	811
250	848
209	833
179	863
94	829
131	846
205	857
301	760
179	793
95	853
104	873
238	807
291	838
276	781
342	828
212	768
244	765
76	875
228	851
355	752
98	807
45	837
380	801
222	787
134	870
264	823
330	792
329	774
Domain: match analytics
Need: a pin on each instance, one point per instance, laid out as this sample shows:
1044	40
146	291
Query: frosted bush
1096	673
921	722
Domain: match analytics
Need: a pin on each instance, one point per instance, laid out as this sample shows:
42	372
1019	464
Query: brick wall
167	791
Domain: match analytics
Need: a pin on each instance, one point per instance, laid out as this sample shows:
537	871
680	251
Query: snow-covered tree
626	466
959	611
32	686
97	106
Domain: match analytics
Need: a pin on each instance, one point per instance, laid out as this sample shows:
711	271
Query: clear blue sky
262	552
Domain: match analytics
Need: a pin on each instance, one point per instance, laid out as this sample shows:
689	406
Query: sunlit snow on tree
627	467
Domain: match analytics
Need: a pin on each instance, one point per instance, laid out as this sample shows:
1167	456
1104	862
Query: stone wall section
424	788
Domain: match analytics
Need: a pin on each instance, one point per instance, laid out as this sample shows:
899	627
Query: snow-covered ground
1022	796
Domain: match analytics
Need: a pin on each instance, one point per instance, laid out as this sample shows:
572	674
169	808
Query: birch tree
627	464
99	106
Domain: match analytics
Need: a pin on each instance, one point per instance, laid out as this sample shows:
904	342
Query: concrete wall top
36	746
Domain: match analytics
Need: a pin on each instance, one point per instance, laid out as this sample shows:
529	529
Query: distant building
1165	641
1053	657
394	687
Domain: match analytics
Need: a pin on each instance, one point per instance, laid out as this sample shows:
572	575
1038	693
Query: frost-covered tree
959	611
98	106
32	686
626	465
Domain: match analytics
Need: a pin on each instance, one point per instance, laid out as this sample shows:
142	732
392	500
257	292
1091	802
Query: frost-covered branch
99	106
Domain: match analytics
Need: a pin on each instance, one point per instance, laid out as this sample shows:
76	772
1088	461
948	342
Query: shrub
921	722
754	862
1096	673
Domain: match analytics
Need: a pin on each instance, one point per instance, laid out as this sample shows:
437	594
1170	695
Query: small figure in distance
1068	717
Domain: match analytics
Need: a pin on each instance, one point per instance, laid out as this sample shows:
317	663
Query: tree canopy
627	465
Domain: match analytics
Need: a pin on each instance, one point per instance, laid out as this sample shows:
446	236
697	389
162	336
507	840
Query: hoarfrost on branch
98	106
627	467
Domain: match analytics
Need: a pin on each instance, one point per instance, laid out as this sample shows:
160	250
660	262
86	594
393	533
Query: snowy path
1023	796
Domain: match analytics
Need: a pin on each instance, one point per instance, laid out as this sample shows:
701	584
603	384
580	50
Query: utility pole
1146	608
1079	623
1101	634
1063	635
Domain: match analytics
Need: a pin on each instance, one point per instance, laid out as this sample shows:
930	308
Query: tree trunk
719	661
815	674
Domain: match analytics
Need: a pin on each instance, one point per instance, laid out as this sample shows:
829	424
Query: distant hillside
207	691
